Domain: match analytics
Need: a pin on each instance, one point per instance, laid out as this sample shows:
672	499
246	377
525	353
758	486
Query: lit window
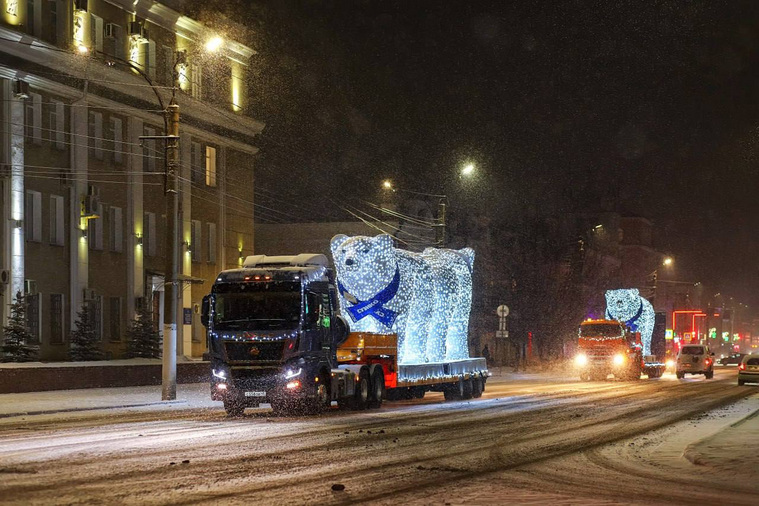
210	166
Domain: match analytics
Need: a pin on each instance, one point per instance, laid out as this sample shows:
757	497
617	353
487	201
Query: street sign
502	311
502	334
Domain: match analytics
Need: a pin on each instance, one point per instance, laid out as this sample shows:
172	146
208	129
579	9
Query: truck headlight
618	359
581	360
293	373
221	374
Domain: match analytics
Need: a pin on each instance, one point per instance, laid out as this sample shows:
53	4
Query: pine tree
143	339
84	340
16	335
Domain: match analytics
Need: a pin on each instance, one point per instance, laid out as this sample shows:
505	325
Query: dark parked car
733	359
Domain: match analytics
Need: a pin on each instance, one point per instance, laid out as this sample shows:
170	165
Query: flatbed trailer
457	379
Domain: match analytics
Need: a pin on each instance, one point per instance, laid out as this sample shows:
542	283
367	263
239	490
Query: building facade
84	86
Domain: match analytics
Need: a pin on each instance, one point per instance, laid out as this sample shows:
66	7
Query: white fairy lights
423	297
628	307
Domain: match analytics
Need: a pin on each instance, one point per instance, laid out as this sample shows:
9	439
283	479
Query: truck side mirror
340	330
205	310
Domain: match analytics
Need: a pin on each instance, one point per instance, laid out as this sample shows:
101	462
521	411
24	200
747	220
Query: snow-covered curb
732	449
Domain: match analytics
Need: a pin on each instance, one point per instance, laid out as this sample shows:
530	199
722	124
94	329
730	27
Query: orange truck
609	347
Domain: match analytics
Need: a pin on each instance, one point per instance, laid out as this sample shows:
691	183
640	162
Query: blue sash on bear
373	306
632	322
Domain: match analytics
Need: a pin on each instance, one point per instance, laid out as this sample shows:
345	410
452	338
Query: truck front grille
254	351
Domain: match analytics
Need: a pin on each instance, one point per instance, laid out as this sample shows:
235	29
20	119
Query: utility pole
440	230
171	281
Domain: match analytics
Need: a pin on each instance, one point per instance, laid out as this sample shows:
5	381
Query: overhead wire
223	113
144	146
411	219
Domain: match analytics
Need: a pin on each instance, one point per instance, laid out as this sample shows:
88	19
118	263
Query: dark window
56	318
33	316
52	33
114	318
753	361
96	316
692	350
30	16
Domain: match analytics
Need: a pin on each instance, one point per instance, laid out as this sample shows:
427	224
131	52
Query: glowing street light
387	184
667	261
468	170
214	44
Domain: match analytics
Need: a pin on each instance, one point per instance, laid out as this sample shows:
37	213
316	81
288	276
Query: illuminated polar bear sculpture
627	306
423	297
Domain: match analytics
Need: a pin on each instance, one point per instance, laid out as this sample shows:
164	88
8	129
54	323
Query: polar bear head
623	304
364	265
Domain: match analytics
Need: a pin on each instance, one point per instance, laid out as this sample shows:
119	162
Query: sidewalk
734	450
194	395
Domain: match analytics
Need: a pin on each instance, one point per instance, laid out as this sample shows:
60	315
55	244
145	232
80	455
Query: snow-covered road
530	439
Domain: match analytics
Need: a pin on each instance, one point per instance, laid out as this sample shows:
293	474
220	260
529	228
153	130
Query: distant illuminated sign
713	333
726	336
668	334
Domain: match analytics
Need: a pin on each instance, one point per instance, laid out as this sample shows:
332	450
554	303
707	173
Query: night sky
644	108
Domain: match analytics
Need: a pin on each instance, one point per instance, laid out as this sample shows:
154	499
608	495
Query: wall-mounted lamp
188	245
84	233
138	238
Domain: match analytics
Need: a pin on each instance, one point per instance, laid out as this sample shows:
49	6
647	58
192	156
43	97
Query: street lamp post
171	287
666	262
171	274
467	172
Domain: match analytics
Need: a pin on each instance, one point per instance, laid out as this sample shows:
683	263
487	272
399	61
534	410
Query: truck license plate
255	394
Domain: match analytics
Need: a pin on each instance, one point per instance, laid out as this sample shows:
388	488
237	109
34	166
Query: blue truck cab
273	330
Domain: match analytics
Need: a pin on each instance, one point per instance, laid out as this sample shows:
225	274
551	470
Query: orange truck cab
609	347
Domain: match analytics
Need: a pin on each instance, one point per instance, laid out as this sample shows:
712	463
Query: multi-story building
83	213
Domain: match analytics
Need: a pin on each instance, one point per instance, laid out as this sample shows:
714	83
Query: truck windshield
258	306
600	330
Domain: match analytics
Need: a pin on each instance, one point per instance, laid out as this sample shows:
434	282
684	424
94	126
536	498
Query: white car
695	359
748	369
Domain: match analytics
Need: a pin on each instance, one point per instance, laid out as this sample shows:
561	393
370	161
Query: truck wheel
361	398
477	388
468	389
680	375
454	391
322	400
417	392
234	407
378	389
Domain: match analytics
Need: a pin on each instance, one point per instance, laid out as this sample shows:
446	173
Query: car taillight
741	366
707	361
